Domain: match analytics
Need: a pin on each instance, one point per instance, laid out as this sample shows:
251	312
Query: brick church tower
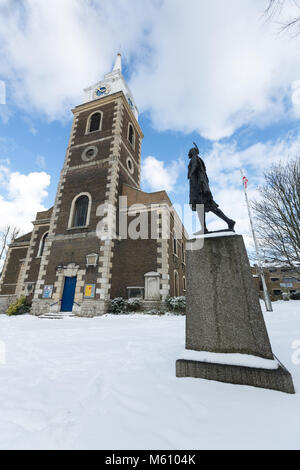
68	262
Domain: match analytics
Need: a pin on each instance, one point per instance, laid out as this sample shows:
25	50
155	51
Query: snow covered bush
134	305
118	306
19	307
176	304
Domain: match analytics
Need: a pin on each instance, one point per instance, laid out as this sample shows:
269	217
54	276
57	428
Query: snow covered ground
109	383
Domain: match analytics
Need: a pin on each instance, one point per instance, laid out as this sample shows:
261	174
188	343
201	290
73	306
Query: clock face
101	91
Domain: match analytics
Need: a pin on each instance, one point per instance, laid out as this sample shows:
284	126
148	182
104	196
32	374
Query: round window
130	165
89	153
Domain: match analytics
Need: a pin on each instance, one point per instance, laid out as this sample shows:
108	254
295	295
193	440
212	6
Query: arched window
42	244
131	134
176	284
81	211
95	121
174	243
184	283
183	251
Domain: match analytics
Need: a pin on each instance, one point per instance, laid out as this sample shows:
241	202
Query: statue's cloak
199	185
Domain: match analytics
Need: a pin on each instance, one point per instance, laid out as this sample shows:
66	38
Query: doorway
68	294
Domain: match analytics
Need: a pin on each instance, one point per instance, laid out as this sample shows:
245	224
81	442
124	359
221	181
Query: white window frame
72	211
176	284
131	171
133	143
84	157
174	239
39	255
87	131
183	253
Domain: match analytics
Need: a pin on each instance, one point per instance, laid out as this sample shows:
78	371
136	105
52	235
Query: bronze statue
200	192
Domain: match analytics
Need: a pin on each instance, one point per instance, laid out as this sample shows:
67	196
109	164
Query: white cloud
217	67
202	66
21	197
157	176
50	51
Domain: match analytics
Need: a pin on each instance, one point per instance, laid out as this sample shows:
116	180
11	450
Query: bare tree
277	214
275	9
274	6
7	235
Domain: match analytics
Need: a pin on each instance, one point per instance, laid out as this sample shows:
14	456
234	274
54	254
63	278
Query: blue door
68	295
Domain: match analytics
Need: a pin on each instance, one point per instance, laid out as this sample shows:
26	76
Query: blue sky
214	74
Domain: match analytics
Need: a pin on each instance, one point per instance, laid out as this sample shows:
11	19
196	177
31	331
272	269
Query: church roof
44	214
136	196
23	238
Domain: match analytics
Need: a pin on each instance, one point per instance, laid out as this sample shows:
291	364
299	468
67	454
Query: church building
75	259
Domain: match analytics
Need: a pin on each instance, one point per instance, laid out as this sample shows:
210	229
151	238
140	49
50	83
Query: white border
39	255
71	217
133	143
87	132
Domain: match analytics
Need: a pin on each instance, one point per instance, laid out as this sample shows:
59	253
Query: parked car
296	295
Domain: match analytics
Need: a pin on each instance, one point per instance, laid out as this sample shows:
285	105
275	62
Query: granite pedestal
224	316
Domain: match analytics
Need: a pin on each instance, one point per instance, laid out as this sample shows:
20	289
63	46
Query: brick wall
103	152
132	259
133	149
34	264
106	128
176	262
12	270
91	180
131	178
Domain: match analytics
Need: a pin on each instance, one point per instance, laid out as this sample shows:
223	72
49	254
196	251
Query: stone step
57	316
47	317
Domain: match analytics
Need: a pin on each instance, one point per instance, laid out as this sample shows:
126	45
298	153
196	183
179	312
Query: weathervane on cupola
118	63
113	82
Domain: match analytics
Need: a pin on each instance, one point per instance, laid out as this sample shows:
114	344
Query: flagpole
267	300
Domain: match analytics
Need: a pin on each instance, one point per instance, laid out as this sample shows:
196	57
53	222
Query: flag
245	181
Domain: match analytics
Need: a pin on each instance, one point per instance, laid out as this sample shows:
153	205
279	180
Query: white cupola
113	82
